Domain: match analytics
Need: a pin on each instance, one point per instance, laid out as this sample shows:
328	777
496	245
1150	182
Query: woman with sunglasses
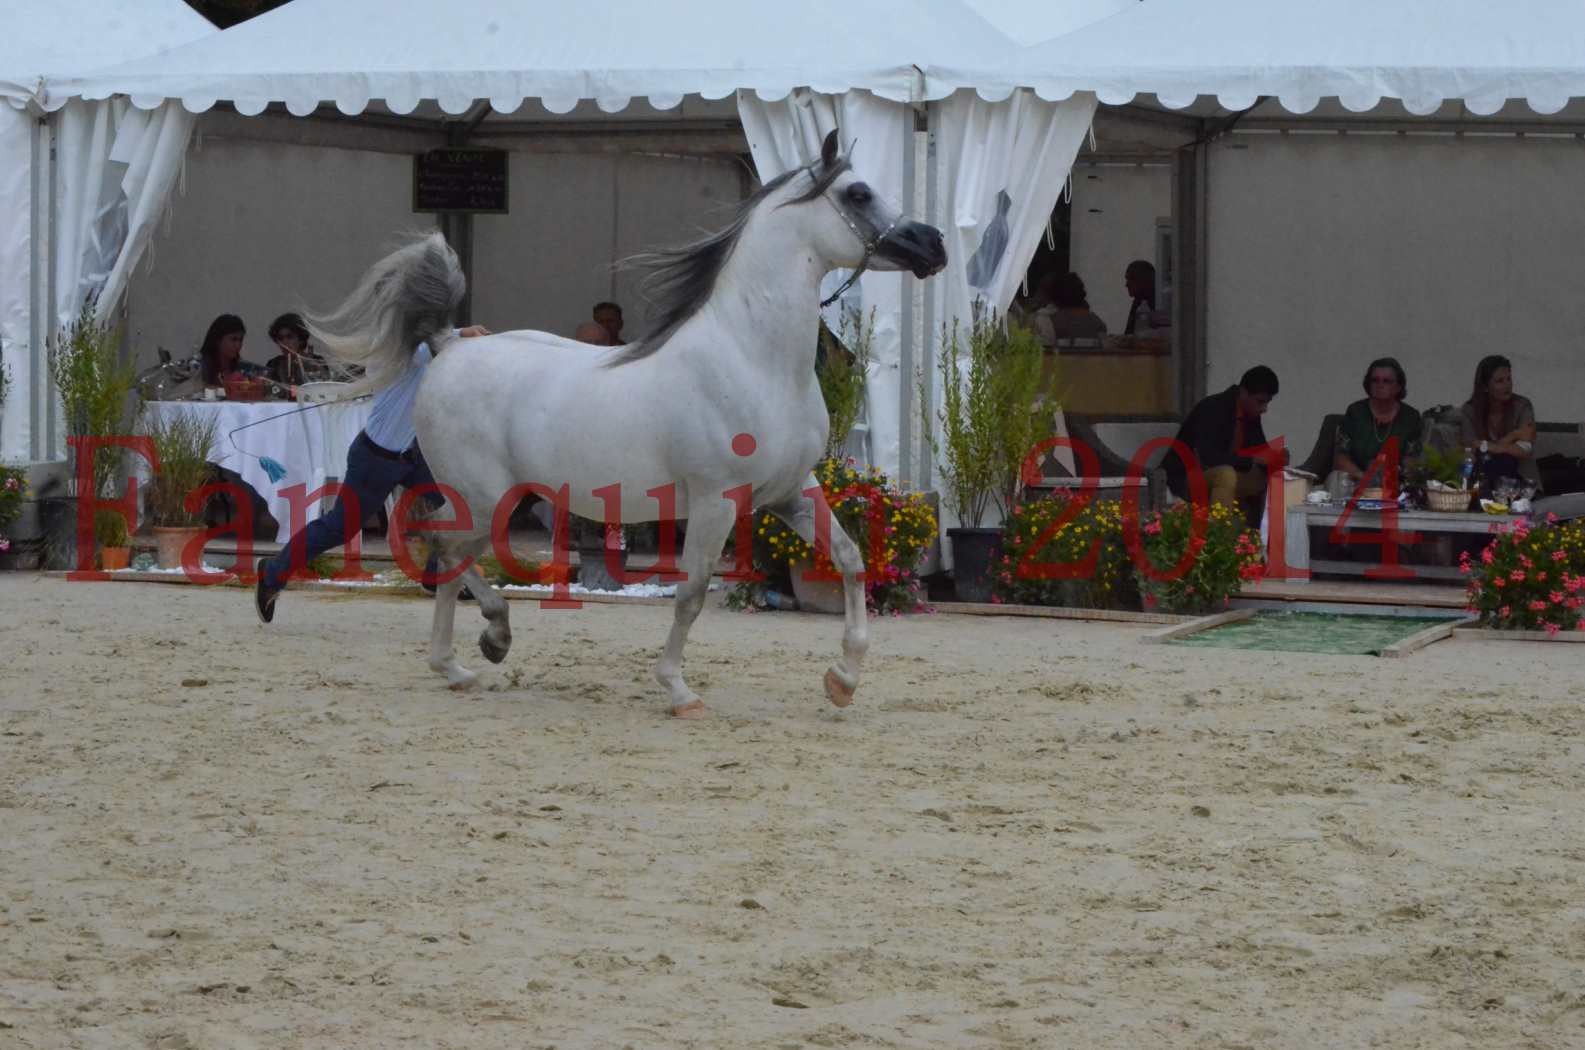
1374	420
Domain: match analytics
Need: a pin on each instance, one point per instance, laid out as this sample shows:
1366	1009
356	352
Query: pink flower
1150	600
1551	628
1558	555
1525	561
996	599
1540	577
5	544
1505	612
12	484
1517	576
1498	581
1486	555
1557	597
1551	518
1538	606
1153	529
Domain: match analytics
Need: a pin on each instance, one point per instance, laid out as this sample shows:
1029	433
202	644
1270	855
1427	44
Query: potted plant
996	399
96	390
183	443
1440	476
892	529
110	534
13	490
1198	556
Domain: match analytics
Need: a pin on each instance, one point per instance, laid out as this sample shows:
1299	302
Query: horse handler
385	454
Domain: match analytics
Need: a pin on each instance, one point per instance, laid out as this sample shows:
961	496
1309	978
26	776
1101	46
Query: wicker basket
1446	502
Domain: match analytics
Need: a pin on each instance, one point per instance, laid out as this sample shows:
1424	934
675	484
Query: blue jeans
371	478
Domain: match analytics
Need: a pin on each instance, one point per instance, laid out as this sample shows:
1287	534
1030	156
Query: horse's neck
766	299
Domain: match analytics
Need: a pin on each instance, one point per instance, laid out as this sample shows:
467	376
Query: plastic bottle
775	599
1467	471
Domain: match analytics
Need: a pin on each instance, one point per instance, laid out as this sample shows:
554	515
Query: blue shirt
390	422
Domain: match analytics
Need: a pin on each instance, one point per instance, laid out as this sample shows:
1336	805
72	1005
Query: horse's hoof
462	681
493	651
838	692
692	709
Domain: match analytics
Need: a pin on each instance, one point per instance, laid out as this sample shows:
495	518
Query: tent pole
457	226
930	326
912	323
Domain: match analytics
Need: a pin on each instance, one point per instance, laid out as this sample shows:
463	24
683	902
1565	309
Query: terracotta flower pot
172	540
113	558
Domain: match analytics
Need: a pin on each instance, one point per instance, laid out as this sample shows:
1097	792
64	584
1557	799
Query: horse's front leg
708	528
800	513
442	658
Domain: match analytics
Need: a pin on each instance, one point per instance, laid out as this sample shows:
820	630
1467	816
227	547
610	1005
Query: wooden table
1301	517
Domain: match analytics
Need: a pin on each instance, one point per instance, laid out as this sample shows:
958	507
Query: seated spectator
1498	425
1068	315
221	354
1146	317
609	316
1220	433
593	332
297	363
1377	418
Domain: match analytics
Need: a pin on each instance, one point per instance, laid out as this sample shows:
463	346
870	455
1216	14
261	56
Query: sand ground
1024	834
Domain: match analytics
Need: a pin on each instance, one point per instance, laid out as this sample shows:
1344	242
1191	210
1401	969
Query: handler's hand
473	330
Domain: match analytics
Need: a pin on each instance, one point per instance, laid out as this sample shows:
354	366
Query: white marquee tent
1423	52
111	174
794	70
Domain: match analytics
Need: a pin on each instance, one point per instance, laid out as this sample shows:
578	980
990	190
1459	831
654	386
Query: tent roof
1032	21
1300	51
348	52
71	36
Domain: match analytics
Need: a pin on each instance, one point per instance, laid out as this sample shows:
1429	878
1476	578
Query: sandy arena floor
1023	834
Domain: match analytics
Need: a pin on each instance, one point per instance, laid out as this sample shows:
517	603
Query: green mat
1312	633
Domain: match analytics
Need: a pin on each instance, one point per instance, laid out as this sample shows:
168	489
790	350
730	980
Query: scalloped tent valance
1421	52
348	53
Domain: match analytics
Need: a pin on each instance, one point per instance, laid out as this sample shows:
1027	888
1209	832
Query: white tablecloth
312	445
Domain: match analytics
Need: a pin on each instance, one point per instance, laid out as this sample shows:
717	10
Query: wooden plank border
1420	639
1195	626
1492	634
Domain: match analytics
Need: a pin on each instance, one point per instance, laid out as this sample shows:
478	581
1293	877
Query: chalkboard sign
452	179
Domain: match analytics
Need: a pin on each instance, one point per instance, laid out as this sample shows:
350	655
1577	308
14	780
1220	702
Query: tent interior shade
1423	52
349	52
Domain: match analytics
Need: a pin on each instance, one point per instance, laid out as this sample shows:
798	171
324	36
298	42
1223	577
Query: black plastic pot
975	553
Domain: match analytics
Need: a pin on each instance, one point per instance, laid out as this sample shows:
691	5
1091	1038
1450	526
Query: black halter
871	241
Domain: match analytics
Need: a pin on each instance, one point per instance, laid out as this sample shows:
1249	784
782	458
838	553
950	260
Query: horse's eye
859	193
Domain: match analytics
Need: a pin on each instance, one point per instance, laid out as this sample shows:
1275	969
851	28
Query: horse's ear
828	150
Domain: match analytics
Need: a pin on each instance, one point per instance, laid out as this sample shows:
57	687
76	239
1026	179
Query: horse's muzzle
915	246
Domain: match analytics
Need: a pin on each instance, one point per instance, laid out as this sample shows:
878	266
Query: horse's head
864	230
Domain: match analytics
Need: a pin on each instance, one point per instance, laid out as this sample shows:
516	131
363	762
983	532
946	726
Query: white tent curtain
17	128
787	134
1004	165
117	167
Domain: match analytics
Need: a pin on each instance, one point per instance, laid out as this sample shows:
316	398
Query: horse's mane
681	279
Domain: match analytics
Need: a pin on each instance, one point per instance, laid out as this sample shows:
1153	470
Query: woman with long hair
1499	425
221	353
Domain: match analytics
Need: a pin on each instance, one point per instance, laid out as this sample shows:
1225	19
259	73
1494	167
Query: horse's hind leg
708	529
442	658
842	678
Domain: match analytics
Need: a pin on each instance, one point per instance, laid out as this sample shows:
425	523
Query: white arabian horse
720	394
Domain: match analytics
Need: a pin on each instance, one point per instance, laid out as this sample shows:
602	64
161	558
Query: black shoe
264	594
